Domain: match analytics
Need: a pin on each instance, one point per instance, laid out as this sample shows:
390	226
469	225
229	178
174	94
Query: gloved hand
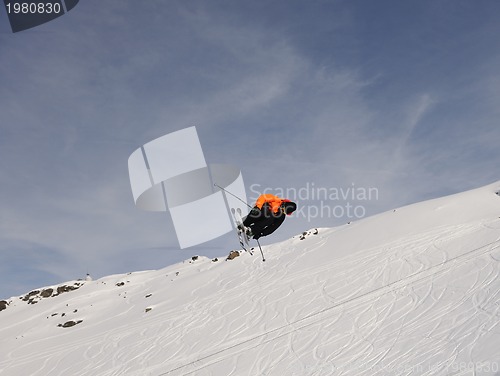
255	212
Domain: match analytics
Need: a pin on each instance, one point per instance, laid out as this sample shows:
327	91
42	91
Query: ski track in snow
406	278
422	305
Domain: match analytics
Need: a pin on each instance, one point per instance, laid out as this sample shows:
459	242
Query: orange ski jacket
273	201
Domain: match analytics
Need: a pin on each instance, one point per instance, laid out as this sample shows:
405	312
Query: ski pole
217	185
262	253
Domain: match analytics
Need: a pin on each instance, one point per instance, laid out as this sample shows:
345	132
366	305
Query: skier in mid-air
267	215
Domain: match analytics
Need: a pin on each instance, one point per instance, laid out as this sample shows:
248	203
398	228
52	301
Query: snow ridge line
350	303
434	235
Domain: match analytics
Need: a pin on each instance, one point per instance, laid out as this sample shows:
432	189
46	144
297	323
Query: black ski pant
263	221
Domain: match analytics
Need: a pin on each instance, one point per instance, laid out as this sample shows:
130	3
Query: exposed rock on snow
46	293
305	234
233	255
69	324
3	305
67	288
35	296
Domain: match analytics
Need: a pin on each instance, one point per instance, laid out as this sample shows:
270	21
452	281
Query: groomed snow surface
414	291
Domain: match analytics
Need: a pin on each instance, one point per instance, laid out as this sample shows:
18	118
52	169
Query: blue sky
400	96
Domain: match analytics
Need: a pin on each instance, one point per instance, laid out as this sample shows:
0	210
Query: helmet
289	207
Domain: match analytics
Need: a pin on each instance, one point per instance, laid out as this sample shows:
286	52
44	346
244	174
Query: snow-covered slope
414	291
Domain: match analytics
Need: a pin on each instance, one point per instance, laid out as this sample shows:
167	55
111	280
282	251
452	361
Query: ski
243	231
242	236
